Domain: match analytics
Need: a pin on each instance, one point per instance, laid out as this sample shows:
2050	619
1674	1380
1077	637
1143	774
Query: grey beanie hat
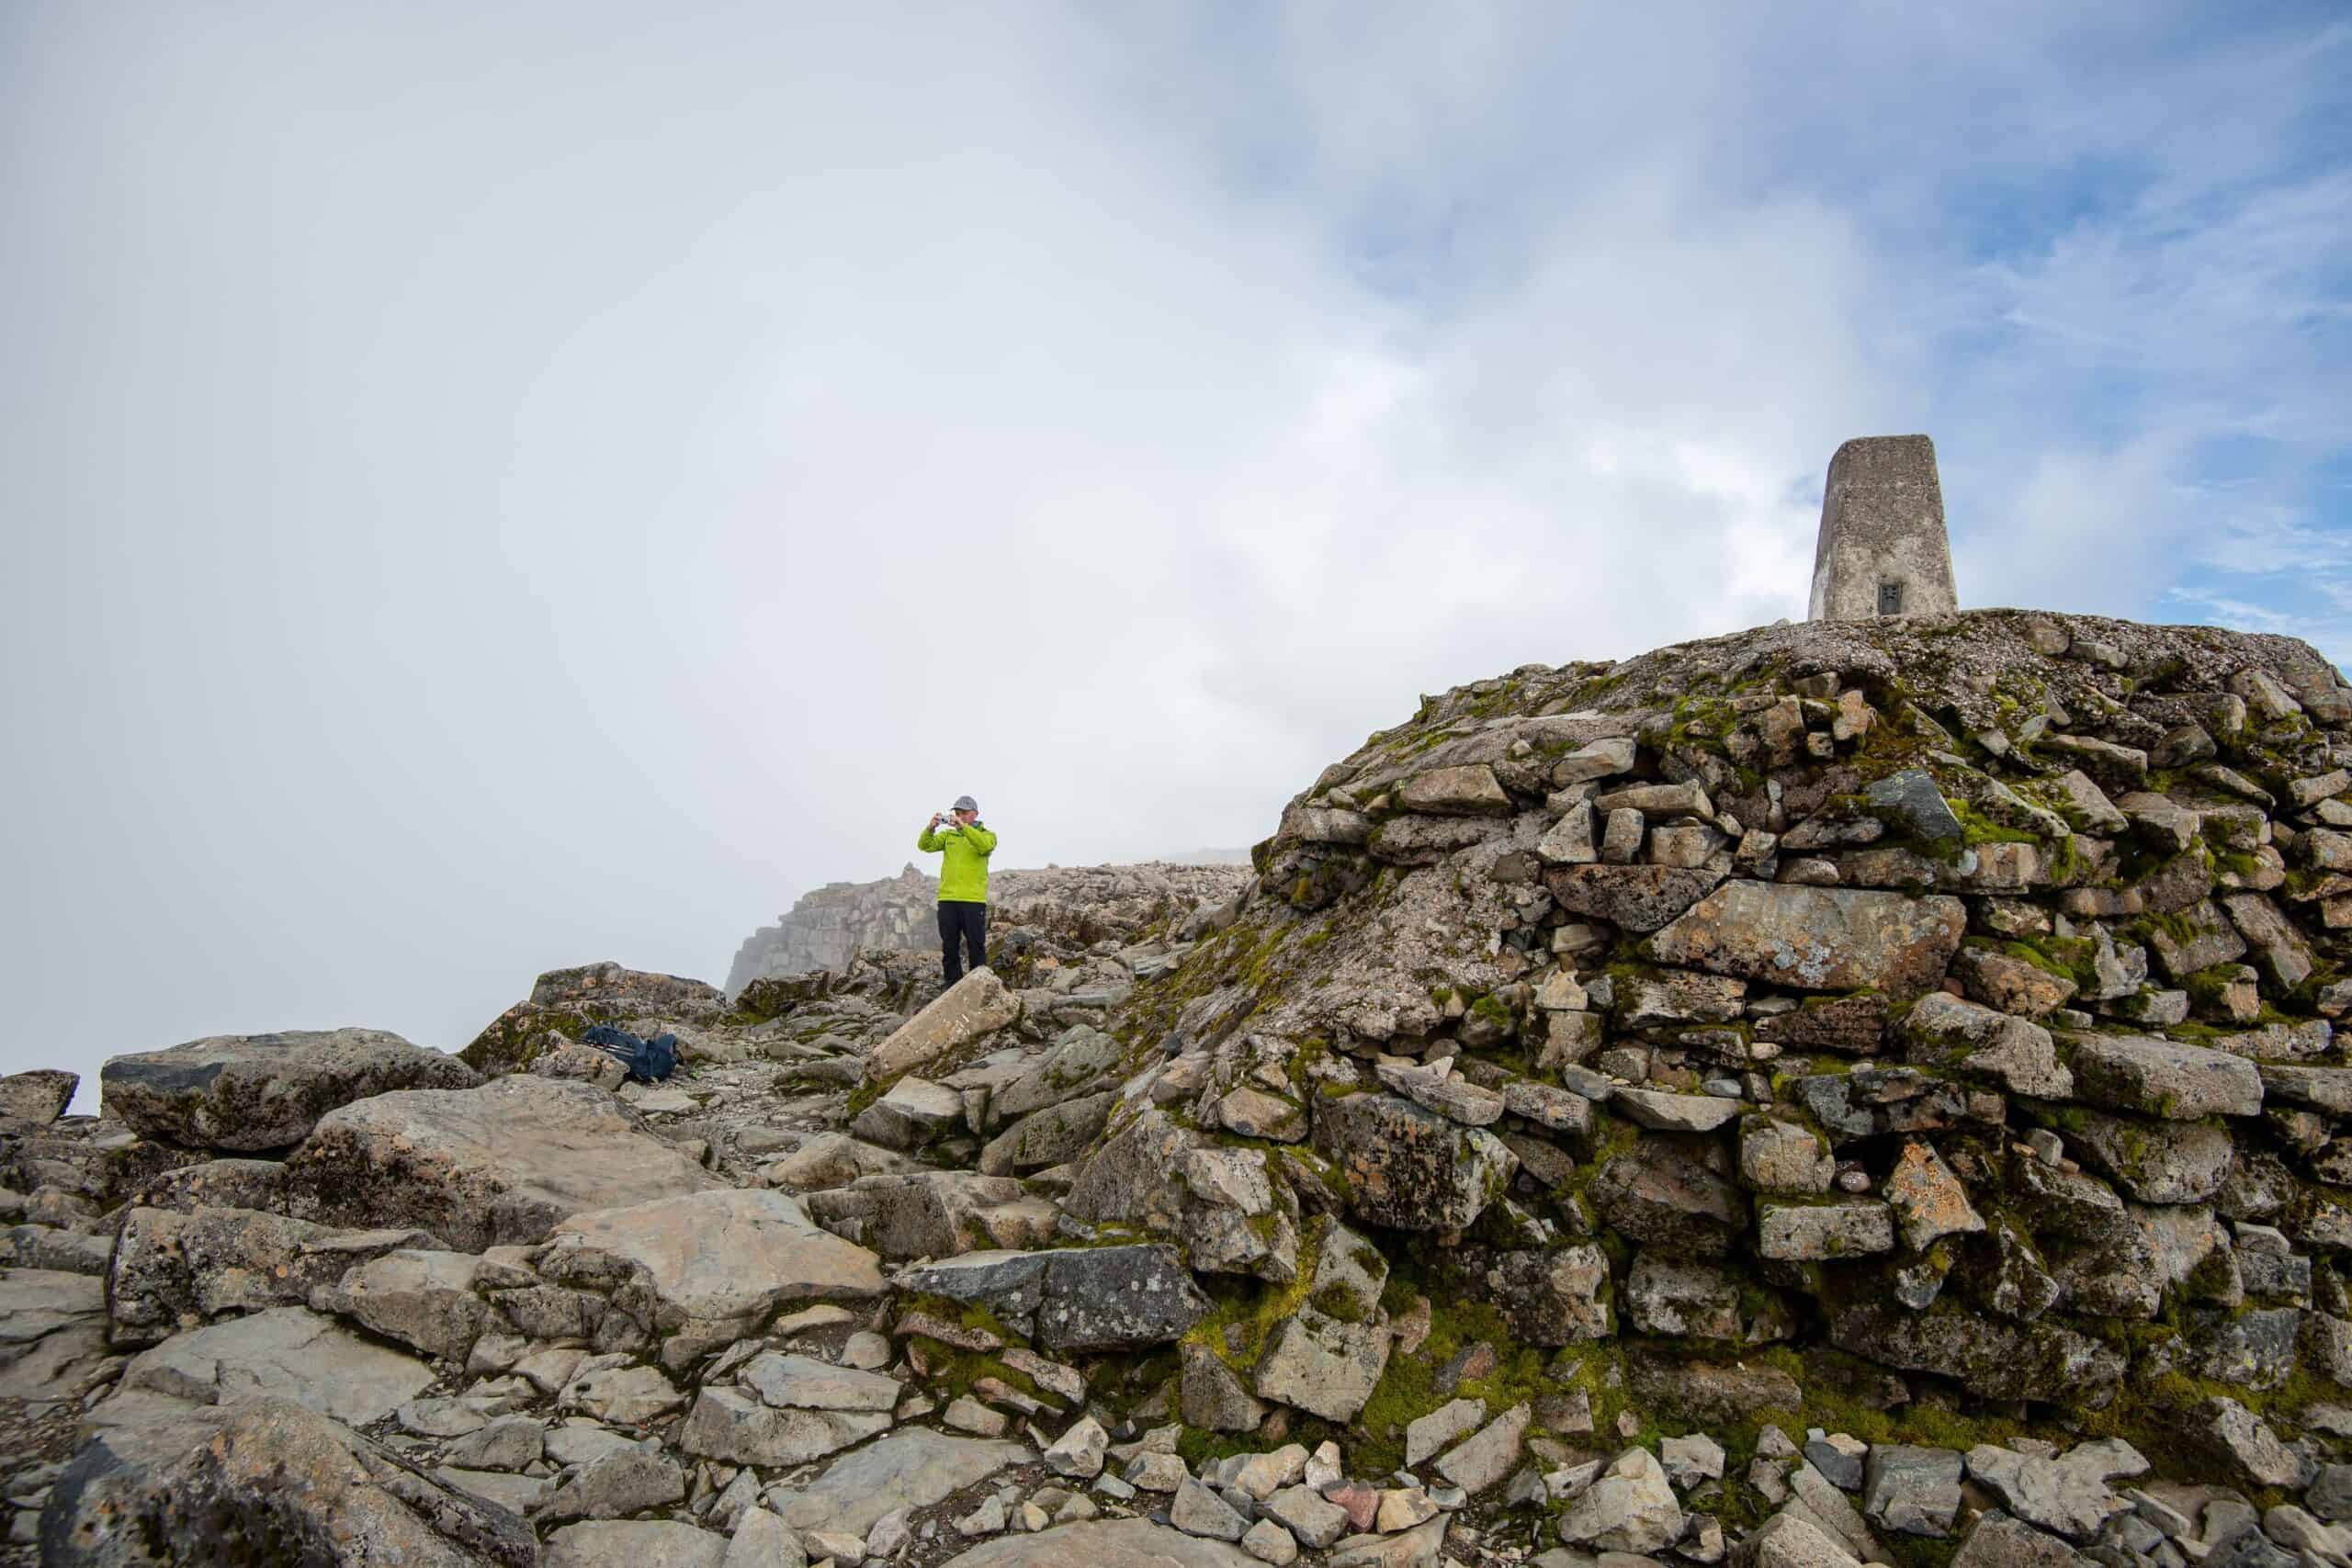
965	803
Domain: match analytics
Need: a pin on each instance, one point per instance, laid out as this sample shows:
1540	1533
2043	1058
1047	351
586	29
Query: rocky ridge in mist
827	928
1844	1093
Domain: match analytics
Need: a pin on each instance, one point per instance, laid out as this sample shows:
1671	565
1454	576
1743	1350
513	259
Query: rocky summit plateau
1864	1091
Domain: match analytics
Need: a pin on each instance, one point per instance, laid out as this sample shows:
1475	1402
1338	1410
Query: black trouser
964	926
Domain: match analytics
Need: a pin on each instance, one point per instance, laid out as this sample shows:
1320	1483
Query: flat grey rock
912	1468
1104	1543
502	1164
634	1543
286	1353
52	1332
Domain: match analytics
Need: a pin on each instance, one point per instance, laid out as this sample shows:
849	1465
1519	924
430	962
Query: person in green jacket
962	885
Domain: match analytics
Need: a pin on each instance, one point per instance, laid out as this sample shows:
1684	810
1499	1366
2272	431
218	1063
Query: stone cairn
1862	1091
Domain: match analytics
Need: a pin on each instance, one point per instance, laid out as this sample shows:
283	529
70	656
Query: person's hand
935	820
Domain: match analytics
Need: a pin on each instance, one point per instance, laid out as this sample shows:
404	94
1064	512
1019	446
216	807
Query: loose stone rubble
1858	1092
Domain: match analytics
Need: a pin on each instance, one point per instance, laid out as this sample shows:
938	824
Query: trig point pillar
1883	549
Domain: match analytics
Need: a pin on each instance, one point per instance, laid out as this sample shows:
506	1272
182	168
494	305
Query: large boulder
264	1482
715	1265
1410	1169
973	1007
1817	939
566	1003
243	1092
498	1165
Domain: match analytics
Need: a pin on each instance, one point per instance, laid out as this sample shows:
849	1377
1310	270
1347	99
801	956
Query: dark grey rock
1913	1491
243	1092
1116	1297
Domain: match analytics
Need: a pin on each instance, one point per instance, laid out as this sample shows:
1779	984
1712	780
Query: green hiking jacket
964	875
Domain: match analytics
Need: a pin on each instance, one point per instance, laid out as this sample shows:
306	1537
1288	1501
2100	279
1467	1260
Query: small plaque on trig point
1882	550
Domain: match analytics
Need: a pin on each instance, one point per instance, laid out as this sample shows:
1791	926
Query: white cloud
508	488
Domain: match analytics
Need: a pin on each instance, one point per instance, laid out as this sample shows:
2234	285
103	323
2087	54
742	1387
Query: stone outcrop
829	928
1896	1057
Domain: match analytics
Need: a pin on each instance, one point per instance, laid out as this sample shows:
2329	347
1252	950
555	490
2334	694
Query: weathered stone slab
283	1353
1872	1101
737	1428
1915	1490
1009	1285
502	1164
912	1468
1630	1509
2327	1090
1322	1365
974	1005
2163	1078
1055	1136
935	1213
1116	1297
914	1112
1081	1059
1811	1232
1664	1112
418	1296
1468	790
241	1092
2154	1161
1927	1200
218	1484
1817	939
715	1264
1944	1031
52	1334
1638	898
1993	1357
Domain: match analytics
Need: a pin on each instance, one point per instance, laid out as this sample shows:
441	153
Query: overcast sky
491	487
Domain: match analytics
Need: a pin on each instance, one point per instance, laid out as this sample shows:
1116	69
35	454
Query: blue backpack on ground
648	1061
